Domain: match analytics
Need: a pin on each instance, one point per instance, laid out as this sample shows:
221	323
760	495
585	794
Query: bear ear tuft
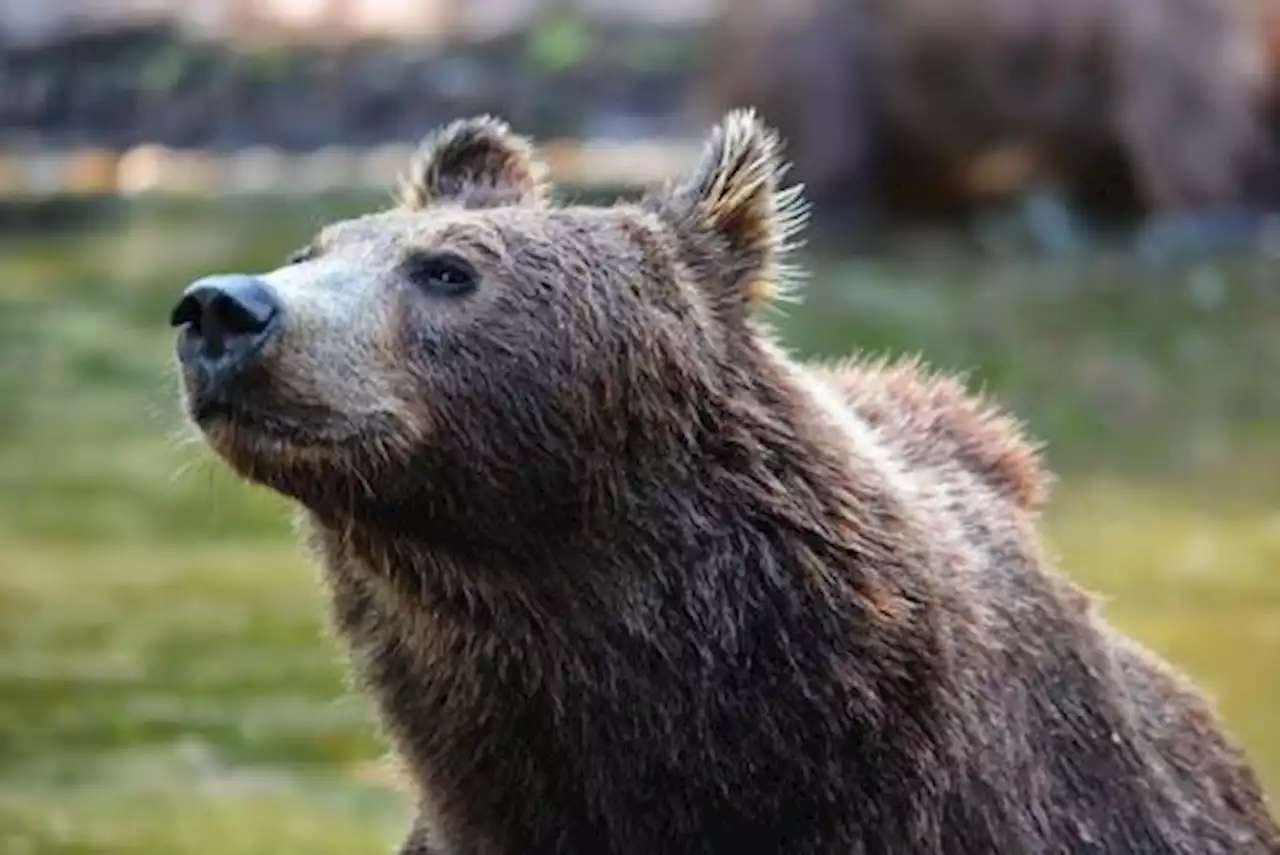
735	195
477	162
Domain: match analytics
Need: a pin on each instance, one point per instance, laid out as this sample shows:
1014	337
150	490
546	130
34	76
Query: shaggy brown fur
928	107
933	422
625	578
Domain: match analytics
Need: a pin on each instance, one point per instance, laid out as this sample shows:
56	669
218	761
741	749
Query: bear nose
225	316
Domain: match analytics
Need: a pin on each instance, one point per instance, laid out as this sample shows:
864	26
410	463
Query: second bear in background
930	108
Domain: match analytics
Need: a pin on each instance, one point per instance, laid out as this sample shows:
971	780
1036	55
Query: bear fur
932	108
624	577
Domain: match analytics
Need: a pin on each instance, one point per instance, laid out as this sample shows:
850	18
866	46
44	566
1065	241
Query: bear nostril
223	311
187	311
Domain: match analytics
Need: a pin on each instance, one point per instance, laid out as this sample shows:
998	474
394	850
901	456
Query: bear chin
293	451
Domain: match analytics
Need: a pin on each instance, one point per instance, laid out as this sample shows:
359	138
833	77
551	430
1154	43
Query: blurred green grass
167	683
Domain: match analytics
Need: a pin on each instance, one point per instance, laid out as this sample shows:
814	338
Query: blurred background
1073	200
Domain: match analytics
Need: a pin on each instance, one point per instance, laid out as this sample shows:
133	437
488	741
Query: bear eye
440	273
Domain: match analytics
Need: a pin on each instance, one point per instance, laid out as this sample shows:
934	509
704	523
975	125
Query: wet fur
628	579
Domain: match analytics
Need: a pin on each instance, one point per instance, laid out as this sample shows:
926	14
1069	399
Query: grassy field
167	685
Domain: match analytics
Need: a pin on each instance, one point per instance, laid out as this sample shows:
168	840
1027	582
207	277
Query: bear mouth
245	425
249	402
220	413
294	425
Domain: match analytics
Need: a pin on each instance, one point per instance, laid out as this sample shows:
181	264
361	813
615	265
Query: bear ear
477	162
735	199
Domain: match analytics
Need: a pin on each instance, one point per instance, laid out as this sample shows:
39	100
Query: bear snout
224	323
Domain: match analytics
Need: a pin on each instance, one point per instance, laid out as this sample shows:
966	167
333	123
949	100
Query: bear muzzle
224	322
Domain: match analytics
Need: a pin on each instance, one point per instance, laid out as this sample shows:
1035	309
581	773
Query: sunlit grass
167	681
154	693
180	810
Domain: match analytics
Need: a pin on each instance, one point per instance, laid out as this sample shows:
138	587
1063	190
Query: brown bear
935	107
624	577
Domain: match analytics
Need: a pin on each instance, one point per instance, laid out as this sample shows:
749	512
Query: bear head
479	351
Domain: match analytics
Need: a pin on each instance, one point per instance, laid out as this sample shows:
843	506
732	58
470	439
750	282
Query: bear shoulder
933	420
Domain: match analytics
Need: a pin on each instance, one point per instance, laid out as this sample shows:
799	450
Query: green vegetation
559	41
167	685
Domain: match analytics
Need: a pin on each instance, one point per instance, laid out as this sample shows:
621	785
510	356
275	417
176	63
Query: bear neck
783	500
